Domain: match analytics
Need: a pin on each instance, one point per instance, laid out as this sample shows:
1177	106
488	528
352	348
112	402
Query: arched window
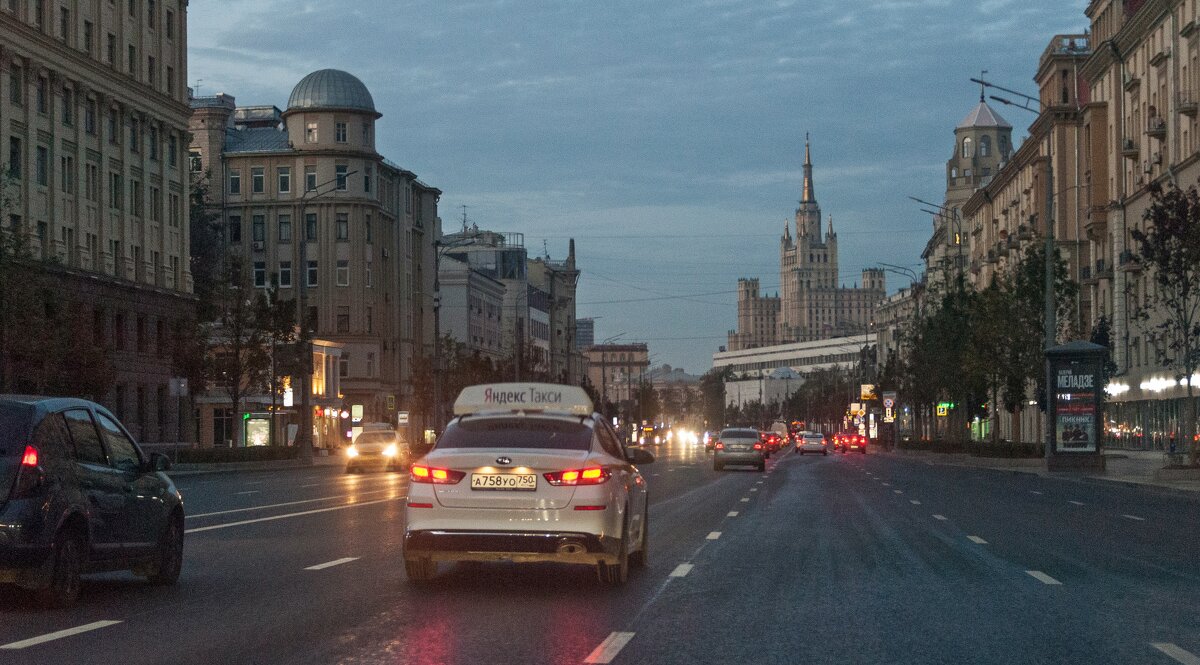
953	171
967	150
985	146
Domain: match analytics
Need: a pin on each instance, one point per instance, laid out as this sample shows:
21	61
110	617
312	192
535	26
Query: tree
208	253
238	357
277	319
1169	248
712	391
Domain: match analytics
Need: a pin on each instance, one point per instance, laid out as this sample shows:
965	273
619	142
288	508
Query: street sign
889	416
867	391
391	402
889	400
402	418
854	407
943	410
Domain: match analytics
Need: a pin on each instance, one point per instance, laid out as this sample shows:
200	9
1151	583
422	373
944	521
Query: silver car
811	442
739	445
527	472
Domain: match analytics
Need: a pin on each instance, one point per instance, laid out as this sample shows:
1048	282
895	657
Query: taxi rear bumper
522	547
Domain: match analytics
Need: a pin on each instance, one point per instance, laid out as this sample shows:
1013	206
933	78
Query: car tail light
30	458
29	475
420	505
719	446
599	507
575	477
758	446
435	476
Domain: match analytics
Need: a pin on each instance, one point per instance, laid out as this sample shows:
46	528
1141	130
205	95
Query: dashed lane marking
940	517
609	648
331	564
745	499
286	503
977	540
732	513
59	634
1042	577
713	535
759	482
287	515
887	484
681	570
753	489
898	491
1179	654
1134	518
1077	503
1034	492
249	492
914	502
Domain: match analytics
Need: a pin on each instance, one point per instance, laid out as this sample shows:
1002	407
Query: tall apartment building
812	303
304	195
557	281
93	122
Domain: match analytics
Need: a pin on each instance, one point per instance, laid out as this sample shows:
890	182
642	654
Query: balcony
1129	149
1103	271
1188	28
1095	226
1132	83
1128	262
991	256
1085	275
1160	57
1187	103
1156	128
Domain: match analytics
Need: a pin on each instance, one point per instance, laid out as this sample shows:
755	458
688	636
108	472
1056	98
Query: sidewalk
1129	467
184	470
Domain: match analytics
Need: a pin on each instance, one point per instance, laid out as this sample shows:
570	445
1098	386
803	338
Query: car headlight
390	451
352	451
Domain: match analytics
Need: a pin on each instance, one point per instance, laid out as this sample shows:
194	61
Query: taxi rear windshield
517	433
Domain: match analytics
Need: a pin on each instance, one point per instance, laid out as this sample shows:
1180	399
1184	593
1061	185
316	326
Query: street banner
867	392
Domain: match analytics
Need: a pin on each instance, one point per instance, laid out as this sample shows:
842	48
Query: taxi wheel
641	558
616	574
420	570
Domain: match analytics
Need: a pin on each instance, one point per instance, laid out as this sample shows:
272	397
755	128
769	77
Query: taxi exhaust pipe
570	546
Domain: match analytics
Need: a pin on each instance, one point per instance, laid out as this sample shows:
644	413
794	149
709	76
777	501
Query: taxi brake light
419	473
589	507
758	446
720	446
420	505
575	477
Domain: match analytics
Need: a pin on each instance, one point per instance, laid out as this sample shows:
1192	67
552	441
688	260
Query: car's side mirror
639	455
159	462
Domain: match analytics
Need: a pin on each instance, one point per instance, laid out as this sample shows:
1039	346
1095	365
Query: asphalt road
838	559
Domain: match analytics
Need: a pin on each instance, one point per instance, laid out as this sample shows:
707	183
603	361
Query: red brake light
575	477
30	458
425	474
758	446
719	446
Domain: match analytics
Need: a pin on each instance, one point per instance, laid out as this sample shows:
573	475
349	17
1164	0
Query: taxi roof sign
513	397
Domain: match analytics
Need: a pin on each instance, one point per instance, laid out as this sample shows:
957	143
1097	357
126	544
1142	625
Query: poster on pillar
1075	410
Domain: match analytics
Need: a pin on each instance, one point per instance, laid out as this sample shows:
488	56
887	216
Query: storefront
1145	414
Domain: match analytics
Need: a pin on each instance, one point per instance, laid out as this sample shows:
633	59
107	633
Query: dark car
80	497
852	442
740	445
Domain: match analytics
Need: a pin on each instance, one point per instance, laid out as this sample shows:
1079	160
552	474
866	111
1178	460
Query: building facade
308	202
812	304
94	122
616	371
558	280
755	371
472	303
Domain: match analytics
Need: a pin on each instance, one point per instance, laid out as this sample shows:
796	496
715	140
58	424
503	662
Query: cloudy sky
665	136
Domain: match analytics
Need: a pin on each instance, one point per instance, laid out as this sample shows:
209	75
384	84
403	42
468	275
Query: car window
52	439
121	451
376	437
85	437
609	441
739	434
14	425
517	433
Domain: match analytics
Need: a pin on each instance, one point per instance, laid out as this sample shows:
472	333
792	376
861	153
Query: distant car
81	498
377	449
773	441
811	442
850	442
742	446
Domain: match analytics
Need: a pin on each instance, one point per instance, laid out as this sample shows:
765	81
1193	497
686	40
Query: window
122	454
52	438
15	157
111	54
89	116
68	107
285	228
285	274
366	133
343	272
343	319
88	448
339	173
114	127
258	179
170	81
370	365
260	274
195	163
116	191
132	61
310	133
368	282
42	165
258	228
370	320
967	150
367	227
172	149
39	13
91	182
284	178
150	16
139	334
235	228
235	181
87	36
174	210
152	139
344	364
66	180
343	226
16	84
133	7
135	135
155	204
367	179
310	178
135	197
118	318
64	23
310	226
985	146
43	95
339	132
151	71
170	24
312	273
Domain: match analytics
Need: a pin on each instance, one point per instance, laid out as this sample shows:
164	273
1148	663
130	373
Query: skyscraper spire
829	234
809	195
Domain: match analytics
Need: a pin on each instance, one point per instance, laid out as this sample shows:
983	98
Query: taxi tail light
576	477
758	446
719	446
420	473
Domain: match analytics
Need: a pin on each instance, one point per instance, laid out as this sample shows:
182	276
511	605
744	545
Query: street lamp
304	436
953	215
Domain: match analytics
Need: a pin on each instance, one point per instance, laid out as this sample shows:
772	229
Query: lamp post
953	215
304	436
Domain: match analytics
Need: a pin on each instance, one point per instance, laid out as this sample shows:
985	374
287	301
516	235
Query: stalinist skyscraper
811	304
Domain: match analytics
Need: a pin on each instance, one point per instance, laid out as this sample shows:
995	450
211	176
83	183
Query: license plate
503	481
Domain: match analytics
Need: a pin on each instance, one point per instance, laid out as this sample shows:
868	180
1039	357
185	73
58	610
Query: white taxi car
811	442
527	472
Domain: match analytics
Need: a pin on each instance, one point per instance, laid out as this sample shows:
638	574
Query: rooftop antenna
982	74
196	87
464	217
545	248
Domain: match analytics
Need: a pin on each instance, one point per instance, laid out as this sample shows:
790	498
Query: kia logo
503	460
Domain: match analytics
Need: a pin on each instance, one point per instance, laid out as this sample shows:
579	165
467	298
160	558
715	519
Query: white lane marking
609	648
287	503
746	500
1180	655
1077	503
733	513
681	570
914	502
331	564
249	492
940	517
282	517
887	484
1034	492
759	482
1042	577
713	535
898	491
1134	517
753	489
59	634
977	540
312	485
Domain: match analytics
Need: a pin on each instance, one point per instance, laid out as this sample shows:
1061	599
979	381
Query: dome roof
331	89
